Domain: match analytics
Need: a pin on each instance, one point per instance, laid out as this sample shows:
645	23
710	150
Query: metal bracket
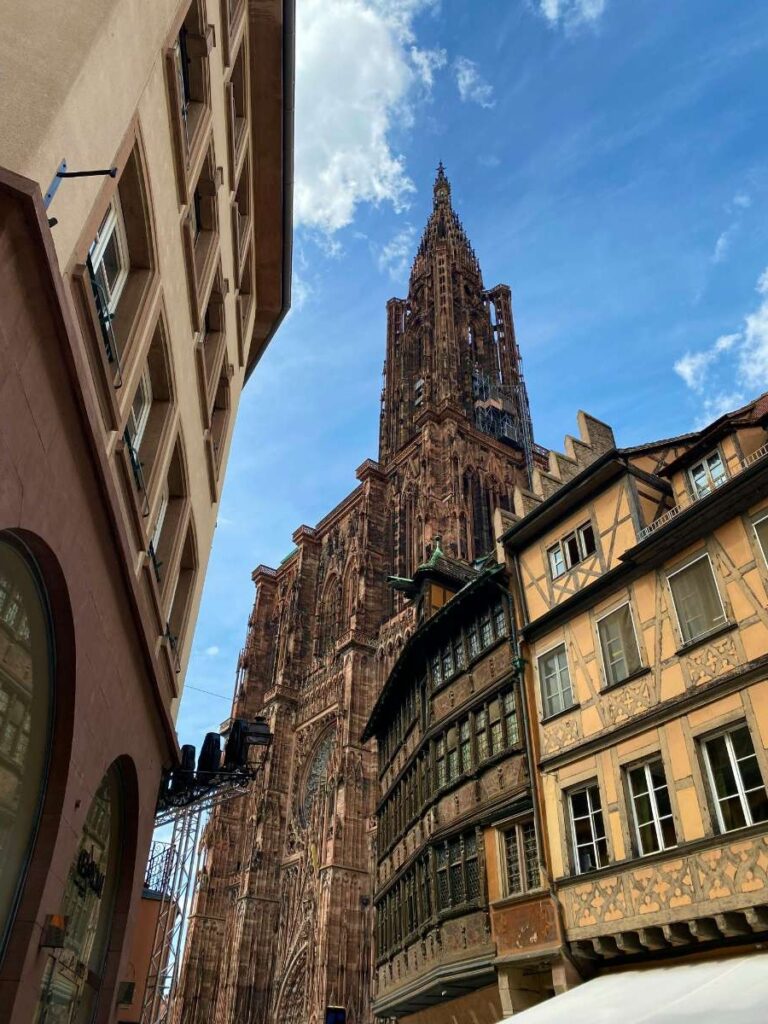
62	172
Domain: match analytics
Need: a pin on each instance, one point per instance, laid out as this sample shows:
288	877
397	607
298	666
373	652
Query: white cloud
740	202
427	62
571	12
472	86
742	362
357	72
395	257
211	652
722	245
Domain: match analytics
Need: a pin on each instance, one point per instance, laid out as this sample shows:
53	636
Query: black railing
173	647
137	470
156	563
105	318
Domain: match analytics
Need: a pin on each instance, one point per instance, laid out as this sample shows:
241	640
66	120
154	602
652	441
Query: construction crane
188	794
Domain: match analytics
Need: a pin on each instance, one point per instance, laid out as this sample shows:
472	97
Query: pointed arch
329	614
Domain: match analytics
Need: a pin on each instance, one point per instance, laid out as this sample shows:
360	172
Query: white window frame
680	569
160	519
145	381
711	484
740	790
578	533
556	549
761	519
598	620
587	788
113	225
539	659
655	816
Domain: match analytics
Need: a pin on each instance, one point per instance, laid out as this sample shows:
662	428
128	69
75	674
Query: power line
210	693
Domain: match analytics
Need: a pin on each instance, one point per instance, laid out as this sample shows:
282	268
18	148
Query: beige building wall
78	80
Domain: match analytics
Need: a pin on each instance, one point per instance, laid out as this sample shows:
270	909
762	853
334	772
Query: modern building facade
134	305
283	925
641	586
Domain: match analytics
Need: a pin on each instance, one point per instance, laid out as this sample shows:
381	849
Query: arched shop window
73	975
26	682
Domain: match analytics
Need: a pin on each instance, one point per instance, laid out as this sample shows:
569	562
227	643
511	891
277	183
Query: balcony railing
672	513
138	472
105	318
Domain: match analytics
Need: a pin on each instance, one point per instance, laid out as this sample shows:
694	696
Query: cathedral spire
451	342
442	188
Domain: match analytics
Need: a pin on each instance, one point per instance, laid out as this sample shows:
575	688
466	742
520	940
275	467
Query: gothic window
316	776
330	615
293	996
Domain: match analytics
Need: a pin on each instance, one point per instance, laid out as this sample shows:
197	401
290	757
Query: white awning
709	992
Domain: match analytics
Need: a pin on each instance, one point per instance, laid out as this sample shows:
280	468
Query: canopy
708	992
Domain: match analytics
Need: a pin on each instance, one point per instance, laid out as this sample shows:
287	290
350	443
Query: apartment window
465	746
571	550
486	633
157	530
173	500
109	257
737	786
219	420
494	715
458	874
183	588
590	847
499	620
139	411
696	598
707	475
481	734
511	725
150	411
473	640
651	808
241	212
761	532
189	79
237	90
521	858
447	662
437	676
440	755
618	644
556	690
458	654
556	561
453	754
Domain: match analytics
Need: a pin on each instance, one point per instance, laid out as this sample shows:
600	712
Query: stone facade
283	923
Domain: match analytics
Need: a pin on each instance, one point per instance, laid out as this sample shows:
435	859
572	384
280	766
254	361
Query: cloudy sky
609	159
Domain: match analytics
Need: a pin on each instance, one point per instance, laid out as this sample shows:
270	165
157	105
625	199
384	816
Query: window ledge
513	898
698	641
644	671
559	714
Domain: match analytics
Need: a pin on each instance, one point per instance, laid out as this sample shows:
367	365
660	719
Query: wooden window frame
120	328
712	484
606	671
201	242
516	827
724	617
726	734
188	148
588	788
656	817
546	713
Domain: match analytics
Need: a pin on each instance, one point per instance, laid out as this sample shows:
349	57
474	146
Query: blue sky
609	159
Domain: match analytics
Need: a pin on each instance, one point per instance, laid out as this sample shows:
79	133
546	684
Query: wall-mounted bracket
62	172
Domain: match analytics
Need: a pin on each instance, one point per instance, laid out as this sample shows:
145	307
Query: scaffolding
174	862
502	411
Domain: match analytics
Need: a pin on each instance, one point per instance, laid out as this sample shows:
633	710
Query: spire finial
442	187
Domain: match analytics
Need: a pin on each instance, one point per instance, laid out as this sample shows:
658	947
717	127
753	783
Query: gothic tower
283	920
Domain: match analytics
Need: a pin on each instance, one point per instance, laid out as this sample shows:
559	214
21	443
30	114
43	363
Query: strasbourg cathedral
283	920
